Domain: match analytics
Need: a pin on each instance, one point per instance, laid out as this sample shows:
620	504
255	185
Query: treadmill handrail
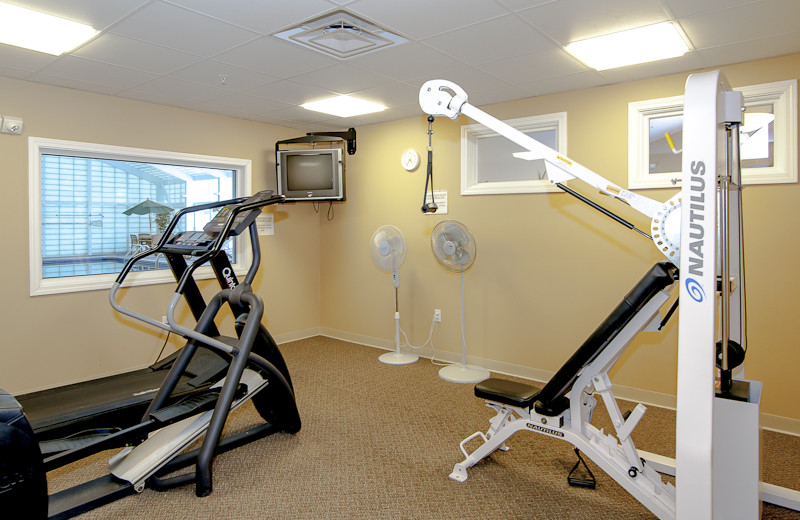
217	247
168	232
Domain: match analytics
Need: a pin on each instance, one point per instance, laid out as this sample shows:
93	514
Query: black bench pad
506	392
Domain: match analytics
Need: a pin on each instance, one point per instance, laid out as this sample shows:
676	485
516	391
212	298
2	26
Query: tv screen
311	174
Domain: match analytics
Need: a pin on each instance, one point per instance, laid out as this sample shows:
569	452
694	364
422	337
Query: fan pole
463	373
397	357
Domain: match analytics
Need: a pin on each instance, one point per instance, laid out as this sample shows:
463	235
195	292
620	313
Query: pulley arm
445	98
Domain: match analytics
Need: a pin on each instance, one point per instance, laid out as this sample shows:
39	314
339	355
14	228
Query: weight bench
563	407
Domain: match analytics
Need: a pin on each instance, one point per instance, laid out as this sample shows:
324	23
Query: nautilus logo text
695	290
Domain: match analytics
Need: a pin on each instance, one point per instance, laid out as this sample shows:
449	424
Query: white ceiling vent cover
341	34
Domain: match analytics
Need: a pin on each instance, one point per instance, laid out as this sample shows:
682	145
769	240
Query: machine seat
507	392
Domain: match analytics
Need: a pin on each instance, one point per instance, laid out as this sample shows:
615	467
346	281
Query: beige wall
549	268
56	339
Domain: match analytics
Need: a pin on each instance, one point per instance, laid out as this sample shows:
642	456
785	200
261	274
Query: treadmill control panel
188	242
242	220
198	242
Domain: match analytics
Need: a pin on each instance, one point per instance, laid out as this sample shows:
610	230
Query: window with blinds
96	206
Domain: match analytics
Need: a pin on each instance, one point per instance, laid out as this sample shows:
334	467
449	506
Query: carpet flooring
379	441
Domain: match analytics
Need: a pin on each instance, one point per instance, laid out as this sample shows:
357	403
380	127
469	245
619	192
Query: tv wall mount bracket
325	137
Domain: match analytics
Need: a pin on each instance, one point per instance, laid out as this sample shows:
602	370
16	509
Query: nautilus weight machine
711	317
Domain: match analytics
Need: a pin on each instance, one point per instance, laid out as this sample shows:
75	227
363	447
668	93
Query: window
487	163
93	206
768	137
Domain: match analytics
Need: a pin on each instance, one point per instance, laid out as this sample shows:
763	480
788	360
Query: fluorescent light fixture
640	45
344	106
41	32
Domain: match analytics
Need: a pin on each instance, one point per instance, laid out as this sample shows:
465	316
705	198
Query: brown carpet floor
379	441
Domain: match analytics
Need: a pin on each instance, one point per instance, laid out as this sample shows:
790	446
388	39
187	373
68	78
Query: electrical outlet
437	315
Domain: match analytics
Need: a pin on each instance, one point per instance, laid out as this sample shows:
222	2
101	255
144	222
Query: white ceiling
174	52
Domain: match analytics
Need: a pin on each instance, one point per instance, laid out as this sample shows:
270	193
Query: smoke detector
341	34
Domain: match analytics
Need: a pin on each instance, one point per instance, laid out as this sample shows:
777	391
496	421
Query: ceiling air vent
341	34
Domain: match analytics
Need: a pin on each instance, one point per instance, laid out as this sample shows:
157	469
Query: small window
488	166
92	207
767	137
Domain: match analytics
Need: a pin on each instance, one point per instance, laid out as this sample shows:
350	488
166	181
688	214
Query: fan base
464	373
397	358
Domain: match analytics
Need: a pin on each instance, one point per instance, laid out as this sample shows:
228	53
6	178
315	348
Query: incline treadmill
209	377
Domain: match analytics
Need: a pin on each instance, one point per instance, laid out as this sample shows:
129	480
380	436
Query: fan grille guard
453	245
387	247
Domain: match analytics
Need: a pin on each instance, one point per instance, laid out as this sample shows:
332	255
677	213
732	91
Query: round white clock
410	159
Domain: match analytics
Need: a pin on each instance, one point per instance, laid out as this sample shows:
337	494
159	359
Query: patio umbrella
148	207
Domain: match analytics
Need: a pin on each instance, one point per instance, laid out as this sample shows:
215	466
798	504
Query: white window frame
470	134
782	95
38	146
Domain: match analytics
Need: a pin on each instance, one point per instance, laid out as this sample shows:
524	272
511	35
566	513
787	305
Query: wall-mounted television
311	174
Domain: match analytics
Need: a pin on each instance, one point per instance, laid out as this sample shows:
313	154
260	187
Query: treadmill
67	416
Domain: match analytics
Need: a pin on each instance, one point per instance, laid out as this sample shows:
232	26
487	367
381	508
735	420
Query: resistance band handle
432	207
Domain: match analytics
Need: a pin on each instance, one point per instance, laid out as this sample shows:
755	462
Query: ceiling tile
576	81
519	5
75	83
275	57
289	92
534	66
243	104
262	17
424	18
135	54
508	34
341	78
714	29
780	45
181	29
189	93
149	97
391	95
24	59
9	72
571	20
681	8
94	72
407	61
224	76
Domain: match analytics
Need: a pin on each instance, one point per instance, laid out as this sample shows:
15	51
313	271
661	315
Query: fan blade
461	256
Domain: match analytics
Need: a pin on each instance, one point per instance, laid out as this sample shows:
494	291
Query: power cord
166	339
429	341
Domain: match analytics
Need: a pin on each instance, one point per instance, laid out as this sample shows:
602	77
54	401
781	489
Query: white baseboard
297	335
769	422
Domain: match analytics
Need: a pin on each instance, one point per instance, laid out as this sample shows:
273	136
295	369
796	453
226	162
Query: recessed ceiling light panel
344	106
640	45
41	32
341	34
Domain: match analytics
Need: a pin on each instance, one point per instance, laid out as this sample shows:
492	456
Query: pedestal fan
388	251
454	248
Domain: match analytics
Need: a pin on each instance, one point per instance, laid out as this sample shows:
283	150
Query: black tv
314	175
